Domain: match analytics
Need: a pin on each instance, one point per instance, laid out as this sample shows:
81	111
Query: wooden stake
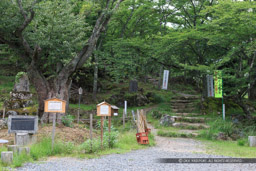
109	129
53	128
109	124
123	119
91	129
102	132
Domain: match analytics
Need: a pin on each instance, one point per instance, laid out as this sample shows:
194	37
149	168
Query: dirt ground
77	134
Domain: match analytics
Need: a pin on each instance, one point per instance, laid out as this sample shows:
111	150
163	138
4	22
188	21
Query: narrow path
183	145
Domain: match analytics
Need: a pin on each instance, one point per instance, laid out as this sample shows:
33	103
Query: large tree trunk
46	89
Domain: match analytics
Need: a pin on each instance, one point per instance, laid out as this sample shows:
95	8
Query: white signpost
125	108
165	79
210	88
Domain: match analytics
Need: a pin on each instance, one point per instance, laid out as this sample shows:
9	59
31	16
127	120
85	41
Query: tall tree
47	35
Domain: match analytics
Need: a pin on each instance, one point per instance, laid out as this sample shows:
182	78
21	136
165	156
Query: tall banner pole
223	105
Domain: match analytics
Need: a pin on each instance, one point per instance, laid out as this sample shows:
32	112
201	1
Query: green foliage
68	120
19	159
111	138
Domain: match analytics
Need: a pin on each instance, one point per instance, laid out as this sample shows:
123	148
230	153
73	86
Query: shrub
111	138
91	146
68	120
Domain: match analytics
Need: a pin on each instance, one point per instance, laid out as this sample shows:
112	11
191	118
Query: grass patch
229	148
126	142
83	106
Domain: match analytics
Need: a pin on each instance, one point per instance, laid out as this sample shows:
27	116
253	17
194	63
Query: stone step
182	101
191	126
182	104
188	114
177	134
189	119
183	110
186	98
182	107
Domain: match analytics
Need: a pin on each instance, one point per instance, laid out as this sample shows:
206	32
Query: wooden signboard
104	109
22	124
55	105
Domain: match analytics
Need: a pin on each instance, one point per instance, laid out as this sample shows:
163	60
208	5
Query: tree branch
87	50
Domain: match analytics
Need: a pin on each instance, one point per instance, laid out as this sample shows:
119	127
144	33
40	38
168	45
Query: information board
55	105
22	124
104	110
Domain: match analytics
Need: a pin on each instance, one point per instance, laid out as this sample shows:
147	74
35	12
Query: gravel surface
133	161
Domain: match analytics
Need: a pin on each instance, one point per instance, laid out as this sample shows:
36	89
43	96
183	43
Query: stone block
23	139
13	148
23	150
7	157
252	141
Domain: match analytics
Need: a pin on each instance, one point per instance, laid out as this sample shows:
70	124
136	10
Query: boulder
12	113
3	123
22	85
167	120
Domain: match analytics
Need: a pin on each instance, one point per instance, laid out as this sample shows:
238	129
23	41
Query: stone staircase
185	117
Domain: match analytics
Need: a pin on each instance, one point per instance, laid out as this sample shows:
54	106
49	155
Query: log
252	141
7	157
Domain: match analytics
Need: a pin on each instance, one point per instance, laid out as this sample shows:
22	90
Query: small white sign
54	106
104	110
125	108
115	114
165	79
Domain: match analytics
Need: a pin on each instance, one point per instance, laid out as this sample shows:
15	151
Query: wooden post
109	124
91	129
109	129
53	128
123	119
4	112
102	132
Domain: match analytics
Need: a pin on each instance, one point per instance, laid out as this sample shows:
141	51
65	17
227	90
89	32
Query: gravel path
134	161
142	160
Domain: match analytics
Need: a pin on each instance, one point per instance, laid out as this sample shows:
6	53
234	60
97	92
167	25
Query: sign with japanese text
165	79
210	88
218	84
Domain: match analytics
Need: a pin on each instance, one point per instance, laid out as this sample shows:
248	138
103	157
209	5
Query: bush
91	146
68	120
111	139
